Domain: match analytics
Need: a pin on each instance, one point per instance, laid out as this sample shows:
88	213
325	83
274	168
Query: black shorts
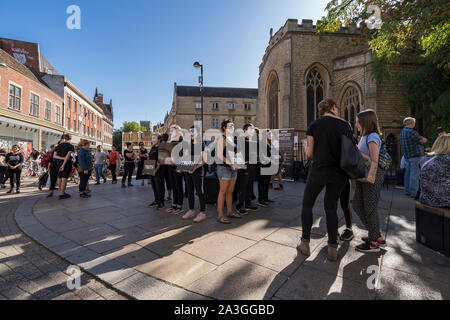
67	169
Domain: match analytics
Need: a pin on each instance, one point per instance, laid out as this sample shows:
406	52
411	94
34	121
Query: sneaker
262	204
381	241
347	235
97	183
243	212
123	185
269	201
159	207
50	194
368	247
130	185
84	195
17	190
189	215
251	208
200	217
10	191
64	196
153	205
114	182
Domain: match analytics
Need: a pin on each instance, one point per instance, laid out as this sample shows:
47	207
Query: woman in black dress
143	155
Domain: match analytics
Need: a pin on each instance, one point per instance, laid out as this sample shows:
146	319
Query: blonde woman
435	175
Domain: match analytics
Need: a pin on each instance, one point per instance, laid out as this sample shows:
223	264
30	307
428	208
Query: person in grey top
99	162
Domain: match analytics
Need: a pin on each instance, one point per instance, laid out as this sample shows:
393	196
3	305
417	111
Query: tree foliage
132	127
411	31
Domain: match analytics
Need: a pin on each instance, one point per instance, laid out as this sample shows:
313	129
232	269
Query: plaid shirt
410	142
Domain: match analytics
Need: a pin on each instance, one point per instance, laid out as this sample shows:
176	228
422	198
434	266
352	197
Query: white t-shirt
100	157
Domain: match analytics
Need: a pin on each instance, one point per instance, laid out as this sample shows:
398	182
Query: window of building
74	125
198	106
248	106
34	104
68	123
215	106
231	106
48	110
215	123
58	114
69	101
314	94
80	126
351	105
74	106
15	97
248	120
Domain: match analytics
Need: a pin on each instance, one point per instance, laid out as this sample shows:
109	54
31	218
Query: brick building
135	138
238	104
299	69
108	120
31	114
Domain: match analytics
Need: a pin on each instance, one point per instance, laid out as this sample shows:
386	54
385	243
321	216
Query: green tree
132	127
117	140
413	31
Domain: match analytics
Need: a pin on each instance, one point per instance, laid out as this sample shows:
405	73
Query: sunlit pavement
148	254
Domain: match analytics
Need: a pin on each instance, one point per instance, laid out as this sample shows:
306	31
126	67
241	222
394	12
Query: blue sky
134	50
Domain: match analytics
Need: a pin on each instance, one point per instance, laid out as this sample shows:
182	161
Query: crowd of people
426	176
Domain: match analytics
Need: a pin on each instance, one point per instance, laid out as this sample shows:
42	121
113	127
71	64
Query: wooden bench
433	228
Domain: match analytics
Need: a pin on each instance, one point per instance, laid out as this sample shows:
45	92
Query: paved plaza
143	253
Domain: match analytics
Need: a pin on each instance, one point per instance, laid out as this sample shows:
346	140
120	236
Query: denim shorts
225	173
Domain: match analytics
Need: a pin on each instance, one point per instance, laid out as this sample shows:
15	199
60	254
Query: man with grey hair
413	149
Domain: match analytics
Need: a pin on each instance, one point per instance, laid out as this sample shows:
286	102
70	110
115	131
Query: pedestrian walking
99	163
367	195
14	160
84	167
412	145
324	137
53	170
113	164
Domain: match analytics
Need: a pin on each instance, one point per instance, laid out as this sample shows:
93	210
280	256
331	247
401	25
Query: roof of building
106	107
187	91
16	65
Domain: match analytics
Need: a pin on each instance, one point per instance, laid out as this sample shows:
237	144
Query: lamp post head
197	65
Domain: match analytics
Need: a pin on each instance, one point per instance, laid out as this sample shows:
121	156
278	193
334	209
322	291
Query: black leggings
3	175
263	188
14	172
113	168
128	168
158	186
176	180
334	180
53	175
195	181
243	182
250	181
345	205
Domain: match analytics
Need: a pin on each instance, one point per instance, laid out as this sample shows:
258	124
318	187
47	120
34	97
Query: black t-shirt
143	153
153	155
34	155
63	149
14	159
327	132
129	153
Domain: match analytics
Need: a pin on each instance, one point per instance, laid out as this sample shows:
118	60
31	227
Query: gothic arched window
272	97
314	94
351	105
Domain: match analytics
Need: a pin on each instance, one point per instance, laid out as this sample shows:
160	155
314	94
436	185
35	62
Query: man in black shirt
14	161
324	146
129	165
63	155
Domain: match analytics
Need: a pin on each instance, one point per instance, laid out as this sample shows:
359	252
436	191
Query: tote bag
352	161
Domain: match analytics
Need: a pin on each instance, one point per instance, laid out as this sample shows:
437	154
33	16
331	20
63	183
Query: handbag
149	167
384	159
351	160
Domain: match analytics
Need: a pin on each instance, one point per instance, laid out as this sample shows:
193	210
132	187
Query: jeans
99	172
412	175
84	178
333	180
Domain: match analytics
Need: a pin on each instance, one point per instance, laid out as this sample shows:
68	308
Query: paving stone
255	230
143	287
308	283
178	268
218	248
132	255
94	217
238	279
273	256
83	235
291	237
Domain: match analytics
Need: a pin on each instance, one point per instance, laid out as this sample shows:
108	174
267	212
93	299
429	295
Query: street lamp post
200	81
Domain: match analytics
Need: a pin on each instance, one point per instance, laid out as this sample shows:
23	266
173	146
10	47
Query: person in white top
99	162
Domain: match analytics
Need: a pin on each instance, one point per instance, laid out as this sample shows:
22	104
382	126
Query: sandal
171	209
234	215
224	220
177	211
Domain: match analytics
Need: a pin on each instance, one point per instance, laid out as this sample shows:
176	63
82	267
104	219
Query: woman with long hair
226	172
367	195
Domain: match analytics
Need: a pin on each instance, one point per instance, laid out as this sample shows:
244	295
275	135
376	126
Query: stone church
300	68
